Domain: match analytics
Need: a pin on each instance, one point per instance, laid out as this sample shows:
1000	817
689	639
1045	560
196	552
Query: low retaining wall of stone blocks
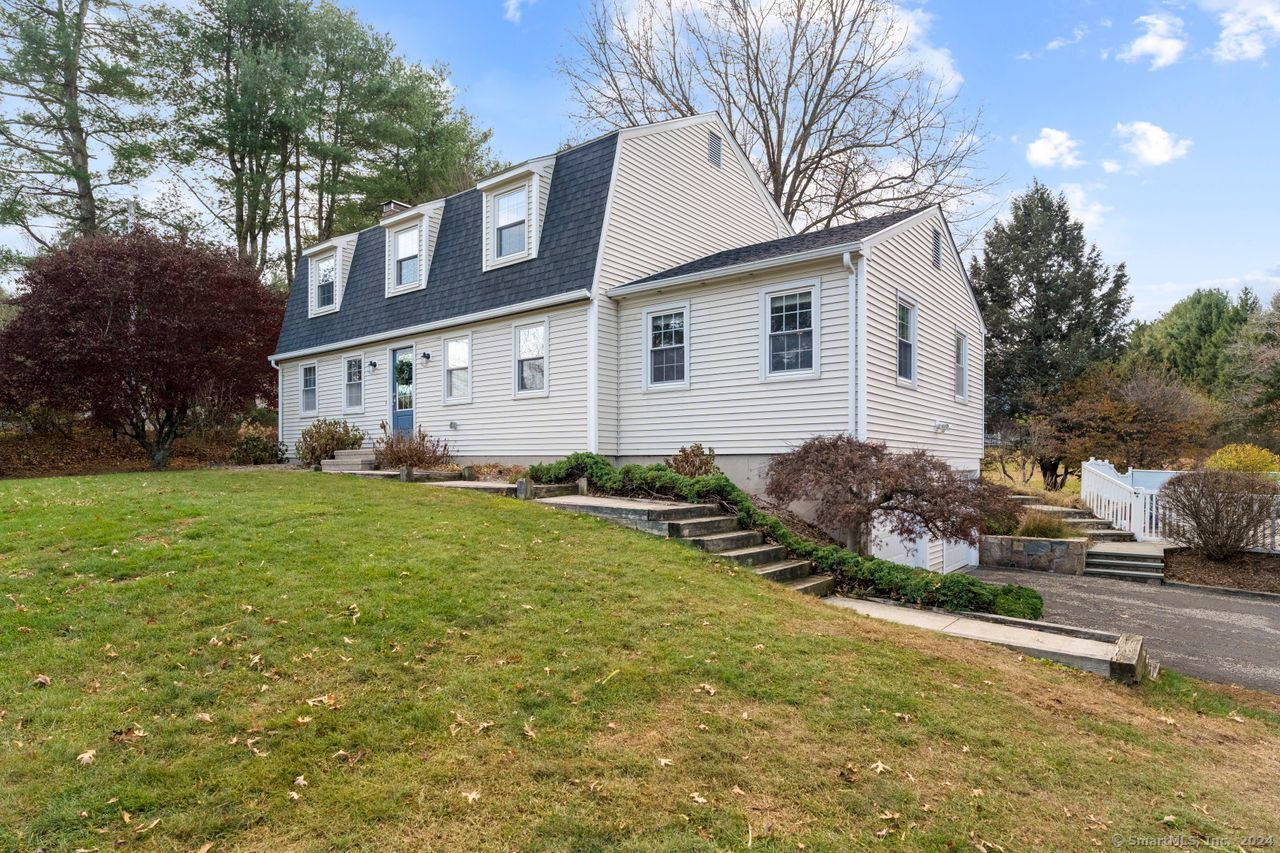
1064	556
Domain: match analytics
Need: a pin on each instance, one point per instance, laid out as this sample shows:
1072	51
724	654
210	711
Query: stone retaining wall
1064	556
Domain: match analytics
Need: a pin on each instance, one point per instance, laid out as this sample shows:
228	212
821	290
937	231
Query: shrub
1042	525
325	437
998	526
694	461
1219	513
410	450
861	486
866	574
1244	457
258	450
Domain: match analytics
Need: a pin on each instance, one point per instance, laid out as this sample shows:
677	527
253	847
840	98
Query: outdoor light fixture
426	356
373	365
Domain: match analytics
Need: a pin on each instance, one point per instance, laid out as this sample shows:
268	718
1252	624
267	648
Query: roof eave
834	250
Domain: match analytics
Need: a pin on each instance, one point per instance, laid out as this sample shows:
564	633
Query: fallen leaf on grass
326	699
206	847
147	828
665	762
301	721
43	681
204	717
86	757
294	795
706	688
528	730
879	767
697	798
977	792
888	815
300	782
471	796
1169	819
1235	717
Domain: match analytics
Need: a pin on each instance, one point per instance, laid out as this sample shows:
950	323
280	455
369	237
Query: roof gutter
834	250
579	295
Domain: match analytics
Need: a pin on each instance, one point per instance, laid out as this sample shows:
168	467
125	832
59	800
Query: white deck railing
1131	501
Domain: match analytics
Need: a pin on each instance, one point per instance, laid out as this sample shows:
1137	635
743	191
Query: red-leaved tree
861	485
143	334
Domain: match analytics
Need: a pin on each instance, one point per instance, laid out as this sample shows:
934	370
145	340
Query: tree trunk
77	138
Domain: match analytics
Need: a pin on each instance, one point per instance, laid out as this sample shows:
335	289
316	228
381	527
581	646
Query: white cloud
1089	212
914	25
1054	148
1110	166
513	10
1249	28
1150	144
1163	41
1077	34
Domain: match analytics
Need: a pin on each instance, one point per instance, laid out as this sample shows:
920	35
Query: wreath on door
404	372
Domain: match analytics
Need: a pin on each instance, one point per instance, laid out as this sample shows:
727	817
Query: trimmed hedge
870	575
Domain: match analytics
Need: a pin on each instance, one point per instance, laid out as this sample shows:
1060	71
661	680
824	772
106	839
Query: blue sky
1161	121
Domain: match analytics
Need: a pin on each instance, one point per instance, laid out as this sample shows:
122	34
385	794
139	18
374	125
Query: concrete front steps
1130	561
1082	522
708	528
346	461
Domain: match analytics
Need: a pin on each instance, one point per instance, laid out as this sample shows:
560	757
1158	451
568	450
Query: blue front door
402	390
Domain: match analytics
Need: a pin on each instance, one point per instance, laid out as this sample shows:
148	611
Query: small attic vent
937	248
715	149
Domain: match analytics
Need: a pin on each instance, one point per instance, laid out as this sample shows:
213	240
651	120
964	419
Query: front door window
402	389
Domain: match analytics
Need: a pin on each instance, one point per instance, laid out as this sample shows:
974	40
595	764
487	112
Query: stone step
718	543
1093	562
1027	499
1101	554
358	453
1091	523
816	585
1125	574
694	527
756	555
1101	535
346	465
554	491
785	570
1063	512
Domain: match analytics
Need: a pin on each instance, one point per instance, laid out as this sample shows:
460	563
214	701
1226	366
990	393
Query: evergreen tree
1194	338
1053	309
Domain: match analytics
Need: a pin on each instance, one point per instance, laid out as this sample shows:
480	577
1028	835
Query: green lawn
275	661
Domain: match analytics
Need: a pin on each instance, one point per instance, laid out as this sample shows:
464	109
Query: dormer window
408	241
324	283
509	216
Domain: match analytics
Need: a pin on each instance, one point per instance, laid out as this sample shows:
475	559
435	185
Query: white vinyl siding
353	379
457	369
545	426
531	365
902	266
727	405
669	204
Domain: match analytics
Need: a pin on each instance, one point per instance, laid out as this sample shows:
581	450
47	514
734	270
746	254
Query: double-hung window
353	389
667	333
906	341
457	369
531	358
407	243
509	223
326	273
961	365
307	389
790	326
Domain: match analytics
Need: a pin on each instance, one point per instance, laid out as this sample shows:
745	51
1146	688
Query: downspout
593	374
856	264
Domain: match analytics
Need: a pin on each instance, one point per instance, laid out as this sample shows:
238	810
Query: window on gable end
326	273
509	215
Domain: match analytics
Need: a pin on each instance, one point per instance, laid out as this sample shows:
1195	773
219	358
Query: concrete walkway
1211	635
1092	655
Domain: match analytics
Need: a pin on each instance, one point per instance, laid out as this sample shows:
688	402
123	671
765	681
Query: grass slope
452	671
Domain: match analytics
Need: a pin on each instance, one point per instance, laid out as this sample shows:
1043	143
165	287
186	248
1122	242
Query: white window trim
393	287
445	399
303	412
545	323
646	348
914	304
964	363
782	289
390	378
531	184
364	383
313	310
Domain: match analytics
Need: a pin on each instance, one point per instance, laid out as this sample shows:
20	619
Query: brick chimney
390	207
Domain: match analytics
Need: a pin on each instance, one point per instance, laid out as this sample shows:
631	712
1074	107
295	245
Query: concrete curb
1224	590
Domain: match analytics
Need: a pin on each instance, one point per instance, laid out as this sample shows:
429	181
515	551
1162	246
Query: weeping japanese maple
142	333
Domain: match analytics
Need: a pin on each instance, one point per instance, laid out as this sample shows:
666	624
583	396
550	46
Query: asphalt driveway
1224	638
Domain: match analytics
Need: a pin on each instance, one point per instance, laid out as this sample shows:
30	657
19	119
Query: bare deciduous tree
839	116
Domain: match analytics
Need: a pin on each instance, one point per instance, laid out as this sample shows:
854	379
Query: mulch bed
1257	572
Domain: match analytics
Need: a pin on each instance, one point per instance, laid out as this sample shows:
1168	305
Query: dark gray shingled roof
456	283
784	246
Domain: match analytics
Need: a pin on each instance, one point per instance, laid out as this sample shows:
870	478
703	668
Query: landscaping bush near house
998	526
694	461
1042	525
410	450
1244	457
1218	514
865	574
255	449
325	437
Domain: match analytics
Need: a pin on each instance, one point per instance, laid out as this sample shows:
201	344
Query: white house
631	295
